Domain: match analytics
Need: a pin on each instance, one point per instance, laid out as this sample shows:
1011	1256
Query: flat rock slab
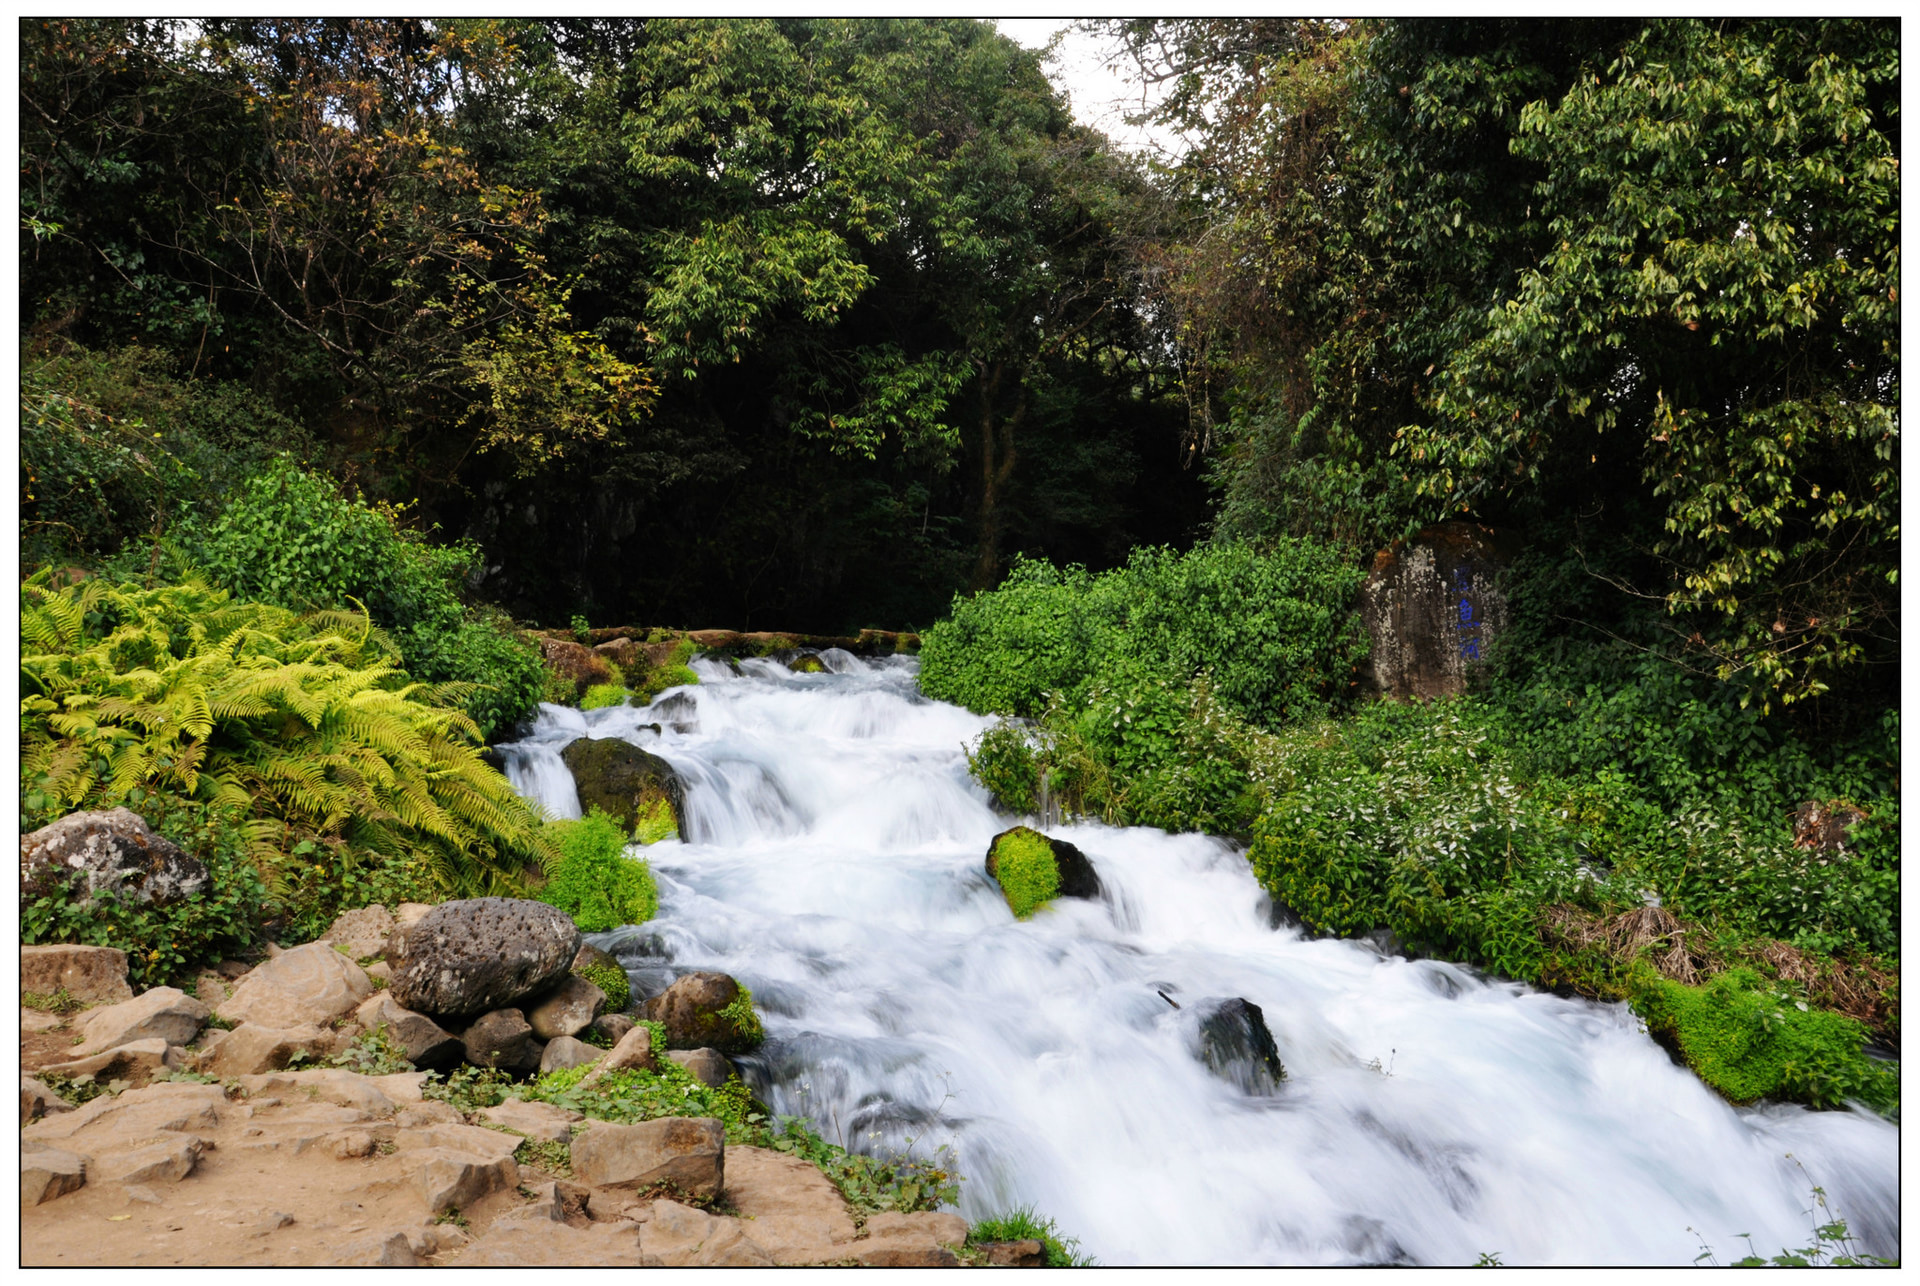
679	1236
253	1048
687	1152
794	1212
308	986
542	1122
47	1173
94	975
519	1243
139	1056
165	1013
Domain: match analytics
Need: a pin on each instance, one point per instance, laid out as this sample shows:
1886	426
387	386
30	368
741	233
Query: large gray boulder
1435	610
109	852
465	958
623	779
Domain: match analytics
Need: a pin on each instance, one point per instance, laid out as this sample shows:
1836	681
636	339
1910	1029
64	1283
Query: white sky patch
1100	81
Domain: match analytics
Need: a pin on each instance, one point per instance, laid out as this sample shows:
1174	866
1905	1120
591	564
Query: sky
1099	81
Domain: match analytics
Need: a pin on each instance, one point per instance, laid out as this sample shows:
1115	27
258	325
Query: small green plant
59	1002
1026	870
1832	1245
452	1215
582	632
655	822
373	1053
1002	759
594	881
1489	1259
744	1024
468	1089
549	1155
1023	1223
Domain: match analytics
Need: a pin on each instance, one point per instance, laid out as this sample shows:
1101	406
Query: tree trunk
997	457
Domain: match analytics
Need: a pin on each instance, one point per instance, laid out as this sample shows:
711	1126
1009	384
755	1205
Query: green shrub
739	1016
673	674
1025	868
1751	1040
1275	628
1002	759
594	881
288	537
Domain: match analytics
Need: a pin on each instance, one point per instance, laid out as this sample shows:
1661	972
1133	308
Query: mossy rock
807	663
1032	869
630	784
707	1011
604	971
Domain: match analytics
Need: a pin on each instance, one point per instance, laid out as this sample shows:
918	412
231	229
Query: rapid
832	862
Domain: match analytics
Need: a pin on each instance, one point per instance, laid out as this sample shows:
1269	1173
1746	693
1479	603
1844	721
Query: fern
301	720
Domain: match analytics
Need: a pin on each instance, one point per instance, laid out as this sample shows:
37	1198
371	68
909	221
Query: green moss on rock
1021	861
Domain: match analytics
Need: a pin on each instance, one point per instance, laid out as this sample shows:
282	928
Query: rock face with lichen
624	780
1434	609
465	958
112	852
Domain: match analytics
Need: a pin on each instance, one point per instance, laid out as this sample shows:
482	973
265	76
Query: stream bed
833	862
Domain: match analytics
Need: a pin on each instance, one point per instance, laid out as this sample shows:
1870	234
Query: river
832	862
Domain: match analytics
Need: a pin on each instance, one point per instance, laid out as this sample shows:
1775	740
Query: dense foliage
301	725
594	881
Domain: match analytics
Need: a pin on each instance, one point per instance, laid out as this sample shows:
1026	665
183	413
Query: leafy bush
612	980
1002	759
299	724
289	538
163	945
1276	629
594	881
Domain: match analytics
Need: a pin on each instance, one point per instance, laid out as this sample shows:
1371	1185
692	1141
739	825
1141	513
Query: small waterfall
833	863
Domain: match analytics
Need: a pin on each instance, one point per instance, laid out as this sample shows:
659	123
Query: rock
166	1160
1016	1254
91	975
708	1066
573	1005
1434	610
918	1240
144	1057
114	851
211	988
565	1051
365	1094
502	1039
542	1122
1075	873
40	1020
522	1243
687	1152
425	1043
624	780
1236	1045
447	1179
577	662
46	1173
308	986
380	973
458	1136
614	1027
467	957
796	1214
382	1250
409	913
694	1010
165	1013
252	1049
1823	827
37	1100
168	1106
634	1050
363	932
679	1236
353	1144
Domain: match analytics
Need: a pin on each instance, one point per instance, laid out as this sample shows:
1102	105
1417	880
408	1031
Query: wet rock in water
466	957
680	711
623	780
1434	609
1236	1045
93	975
707	1009
113	851
502	1039
1073	875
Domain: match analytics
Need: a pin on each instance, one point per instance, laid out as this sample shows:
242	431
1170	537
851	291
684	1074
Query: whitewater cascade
833	864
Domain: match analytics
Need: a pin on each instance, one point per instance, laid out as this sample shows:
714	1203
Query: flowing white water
833	863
